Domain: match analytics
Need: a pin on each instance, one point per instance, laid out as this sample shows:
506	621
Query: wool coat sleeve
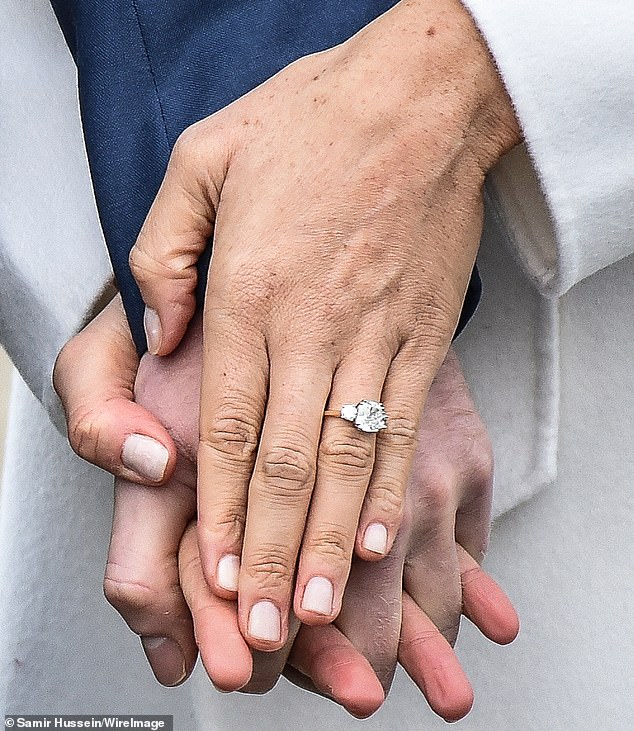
566	197
54	269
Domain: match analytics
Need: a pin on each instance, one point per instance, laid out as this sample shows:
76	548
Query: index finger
176	231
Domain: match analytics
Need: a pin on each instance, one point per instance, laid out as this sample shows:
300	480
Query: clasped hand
344	200
161	592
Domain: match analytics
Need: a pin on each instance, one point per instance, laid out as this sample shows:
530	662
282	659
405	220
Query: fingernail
318	596
265	622
166	659
227	572
145	456
153	330
375	538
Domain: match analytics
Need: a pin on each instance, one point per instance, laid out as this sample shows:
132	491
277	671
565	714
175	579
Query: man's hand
158	601
105	425
344	199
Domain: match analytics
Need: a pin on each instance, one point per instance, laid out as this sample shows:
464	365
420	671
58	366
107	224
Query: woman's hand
344	199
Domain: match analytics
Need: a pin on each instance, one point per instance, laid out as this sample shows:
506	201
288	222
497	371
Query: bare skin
344	197
399	608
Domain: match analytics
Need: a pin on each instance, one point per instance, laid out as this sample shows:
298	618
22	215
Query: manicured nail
166	659
145	456
227	572
375	538
153	330
318	596
265	622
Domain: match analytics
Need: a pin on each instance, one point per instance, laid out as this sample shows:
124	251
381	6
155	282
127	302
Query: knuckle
175	264
63	364
288	469
131	595
436	315
482	462
138	261
351	457
229	523
84	432
438	494
232	522
188	147
193	586
189	564
388	498
270	567
332	543
401	432
449	629
422	638
471	576
144	265
342	668
234	432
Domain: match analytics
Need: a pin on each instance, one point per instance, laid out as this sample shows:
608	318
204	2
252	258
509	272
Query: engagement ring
368	416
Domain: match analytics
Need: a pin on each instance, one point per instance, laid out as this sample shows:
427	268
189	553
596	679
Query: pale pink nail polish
145	456
265	622
375	538
318	596
227	572
153	330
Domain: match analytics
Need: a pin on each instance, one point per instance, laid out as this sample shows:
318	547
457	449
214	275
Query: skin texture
402	607
344	197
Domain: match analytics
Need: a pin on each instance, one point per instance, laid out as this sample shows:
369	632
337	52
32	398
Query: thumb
175	234
94	378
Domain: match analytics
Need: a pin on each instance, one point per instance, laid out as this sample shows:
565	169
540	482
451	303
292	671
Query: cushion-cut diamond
371	416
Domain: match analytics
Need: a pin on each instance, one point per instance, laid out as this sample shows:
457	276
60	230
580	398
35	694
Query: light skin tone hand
164	598
344	200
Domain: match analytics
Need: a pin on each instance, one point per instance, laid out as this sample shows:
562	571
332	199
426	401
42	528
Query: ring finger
344	467
404	393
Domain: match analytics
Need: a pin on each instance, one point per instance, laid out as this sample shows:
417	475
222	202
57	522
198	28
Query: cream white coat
548	357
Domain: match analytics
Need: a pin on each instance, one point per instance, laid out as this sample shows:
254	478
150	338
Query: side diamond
349	412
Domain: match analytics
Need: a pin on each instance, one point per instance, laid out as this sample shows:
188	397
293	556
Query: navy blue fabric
150	68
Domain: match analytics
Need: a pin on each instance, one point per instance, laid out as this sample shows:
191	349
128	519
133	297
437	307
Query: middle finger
279	495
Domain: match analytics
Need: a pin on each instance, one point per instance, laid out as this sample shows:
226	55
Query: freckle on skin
431	31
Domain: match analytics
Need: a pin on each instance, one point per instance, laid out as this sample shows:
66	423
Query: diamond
371	416
349	412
